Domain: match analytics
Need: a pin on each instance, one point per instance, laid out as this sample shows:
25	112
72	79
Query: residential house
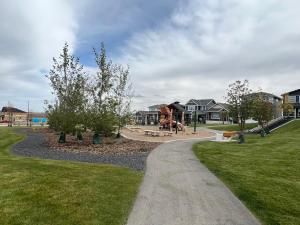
293	98
150	117
156	107
218	113
13	115
275	100
200	106
208	111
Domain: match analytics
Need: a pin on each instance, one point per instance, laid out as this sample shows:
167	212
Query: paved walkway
178	190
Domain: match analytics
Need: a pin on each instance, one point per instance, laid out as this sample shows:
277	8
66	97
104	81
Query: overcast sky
176	49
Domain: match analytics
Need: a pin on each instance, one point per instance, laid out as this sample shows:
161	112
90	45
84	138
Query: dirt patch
109	146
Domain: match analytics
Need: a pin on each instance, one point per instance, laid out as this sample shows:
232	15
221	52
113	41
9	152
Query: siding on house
207	110
293	98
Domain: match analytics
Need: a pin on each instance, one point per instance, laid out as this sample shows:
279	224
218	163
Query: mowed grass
264	172
233	127
35	191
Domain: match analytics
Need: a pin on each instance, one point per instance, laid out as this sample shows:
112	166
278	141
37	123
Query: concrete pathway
178	190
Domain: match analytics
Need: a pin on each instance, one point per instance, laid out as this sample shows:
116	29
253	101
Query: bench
229	134
147	132
167	133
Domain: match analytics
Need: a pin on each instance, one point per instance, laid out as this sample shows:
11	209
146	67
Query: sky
176	49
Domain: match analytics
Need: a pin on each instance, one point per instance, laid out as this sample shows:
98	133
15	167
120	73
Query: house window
215	116
199	108
191	108
297	98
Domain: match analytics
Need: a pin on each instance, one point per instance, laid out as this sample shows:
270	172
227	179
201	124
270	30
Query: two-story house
200	106
208	110
274	99
293	98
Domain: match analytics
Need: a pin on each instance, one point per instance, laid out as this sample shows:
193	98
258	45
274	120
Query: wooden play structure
172	116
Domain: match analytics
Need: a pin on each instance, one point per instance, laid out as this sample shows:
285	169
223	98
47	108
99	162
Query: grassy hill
264	172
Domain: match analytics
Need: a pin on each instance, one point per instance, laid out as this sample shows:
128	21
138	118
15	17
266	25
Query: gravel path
35	146
179	190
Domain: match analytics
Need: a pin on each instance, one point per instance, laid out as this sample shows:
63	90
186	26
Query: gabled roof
200	101
157	106
177	106
12	109
218	107
266	94
291	92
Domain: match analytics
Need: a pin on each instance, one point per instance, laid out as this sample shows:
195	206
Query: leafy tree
102	110
240	105
68	82
287	109
262	110
224	115
123	93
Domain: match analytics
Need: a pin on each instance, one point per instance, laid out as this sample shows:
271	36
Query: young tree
102	110
262	110
224	115
287	109
240	104
68	82
123	93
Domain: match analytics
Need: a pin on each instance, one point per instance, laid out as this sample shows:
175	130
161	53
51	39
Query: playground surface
138	133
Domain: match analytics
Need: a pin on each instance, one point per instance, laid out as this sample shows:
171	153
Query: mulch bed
109	146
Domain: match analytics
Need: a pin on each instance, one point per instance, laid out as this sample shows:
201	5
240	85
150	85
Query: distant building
293	98
38	118
150	117
16	116
156	107
218	113
13	115
208	111
274	99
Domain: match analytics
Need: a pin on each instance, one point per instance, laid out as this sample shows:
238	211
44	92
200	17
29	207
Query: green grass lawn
264	173
35	191
233	127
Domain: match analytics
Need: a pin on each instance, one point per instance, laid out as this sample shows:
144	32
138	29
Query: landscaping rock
36	145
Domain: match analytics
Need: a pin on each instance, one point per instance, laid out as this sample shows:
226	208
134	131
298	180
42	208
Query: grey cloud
216	42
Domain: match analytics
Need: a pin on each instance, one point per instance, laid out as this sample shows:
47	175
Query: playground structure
172	117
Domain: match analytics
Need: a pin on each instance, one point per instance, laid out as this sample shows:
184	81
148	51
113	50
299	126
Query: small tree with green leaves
68	82
102	117
287	109
240	104
224	115
122	93
262	110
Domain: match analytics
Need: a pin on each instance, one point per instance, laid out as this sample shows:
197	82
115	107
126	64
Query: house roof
291	92
12	109
178	106
157	106
267	94
201	101
218	107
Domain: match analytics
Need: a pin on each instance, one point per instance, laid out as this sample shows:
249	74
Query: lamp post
176	116
195	121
